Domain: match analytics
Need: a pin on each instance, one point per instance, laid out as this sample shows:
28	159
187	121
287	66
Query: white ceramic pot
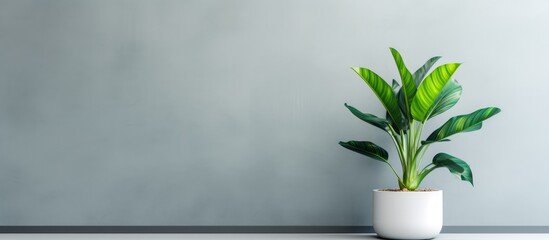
407	215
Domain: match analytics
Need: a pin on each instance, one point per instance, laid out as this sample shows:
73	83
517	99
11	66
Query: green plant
409	106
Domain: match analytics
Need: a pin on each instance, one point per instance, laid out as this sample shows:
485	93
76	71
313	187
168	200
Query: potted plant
409	212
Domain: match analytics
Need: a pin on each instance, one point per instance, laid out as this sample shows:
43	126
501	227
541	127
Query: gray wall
229	112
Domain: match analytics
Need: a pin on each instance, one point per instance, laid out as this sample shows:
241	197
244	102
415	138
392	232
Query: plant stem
398	145
396	174
408	158
422	151
405	154
417	144
426	170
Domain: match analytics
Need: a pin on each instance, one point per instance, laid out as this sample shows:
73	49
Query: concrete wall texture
229	112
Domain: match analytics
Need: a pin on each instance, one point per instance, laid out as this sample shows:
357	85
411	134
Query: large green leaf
462	123
403	108
369	118
369	149
408	85
455	165
400	98
430	89
388	117
395	86
422	71
384	92
447	99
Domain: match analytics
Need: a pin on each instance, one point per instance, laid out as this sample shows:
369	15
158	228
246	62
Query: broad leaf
462	123
395	86
400	97
388	118
369	149
447	99
384	92
422	71
369	118
408	88
430	89
455	165
403	108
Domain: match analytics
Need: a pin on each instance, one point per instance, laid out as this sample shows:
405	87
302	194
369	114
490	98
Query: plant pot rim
411	192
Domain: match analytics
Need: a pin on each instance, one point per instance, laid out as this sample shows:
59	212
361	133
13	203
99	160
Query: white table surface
453	236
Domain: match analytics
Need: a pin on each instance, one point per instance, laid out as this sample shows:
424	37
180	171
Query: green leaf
462	123
395	86
401	104
447	99
422	71
369	149
455	165
430	89
408	86
384	92
388	117
369	118
403	108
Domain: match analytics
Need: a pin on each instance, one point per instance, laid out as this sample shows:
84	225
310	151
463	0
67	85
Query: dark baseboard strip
255	229
495	229
186	229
